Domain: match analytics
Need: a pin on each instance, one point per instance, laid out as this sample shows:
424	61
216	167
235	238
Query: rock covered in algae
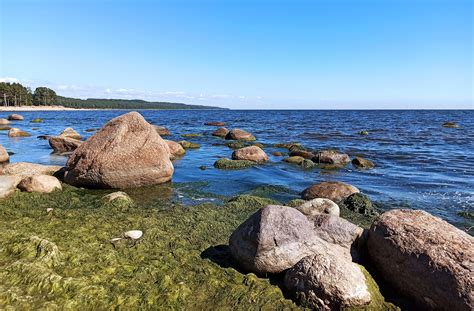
176	150
360	203
228	164
118	199
126	153
362	163
189	145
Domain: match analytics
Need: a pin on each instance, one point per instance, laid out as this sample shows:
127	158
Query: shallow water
419	164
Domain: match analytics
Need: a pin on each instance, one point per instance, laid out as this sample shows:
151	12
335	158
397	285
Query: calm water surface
419	164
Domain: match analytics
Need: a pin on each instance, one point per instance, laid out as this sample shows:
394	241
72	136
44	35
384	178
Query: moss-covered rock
287	145
294	160
364	133
237	144
192	135
228	164
37	120
451	124
189	145
117	199
360	203
295	202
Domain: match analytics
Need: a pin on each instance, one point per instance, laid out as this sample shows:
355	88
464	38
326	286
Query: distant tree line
15	94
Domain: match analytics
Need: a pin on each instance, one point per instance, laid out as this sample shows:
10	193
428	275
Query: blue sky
246	54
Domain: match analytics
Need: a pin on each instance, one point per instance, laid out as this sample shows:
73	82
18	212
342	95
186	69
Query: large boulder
327	280
4	156
176	150
331	157
63	144
26	169
70	133
40	183
238	134
273	239
220	132
250	153
332	190
319	206
425	258
16	132
4	121
8	185
338	231
15	117
127	152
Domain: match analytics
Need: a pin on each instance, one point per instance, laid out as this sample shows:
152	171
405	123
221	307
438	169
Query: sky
261	54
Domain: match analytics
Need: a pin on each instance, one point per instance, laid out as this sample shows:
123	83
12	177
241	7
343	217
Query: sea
419	163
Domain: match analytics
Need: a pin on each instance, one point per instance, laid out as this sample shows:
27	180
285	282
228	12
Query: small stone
227	164
37	120
362	163
133	234
364	133
451	125
220	132
189	145
15	117
16	132
49	210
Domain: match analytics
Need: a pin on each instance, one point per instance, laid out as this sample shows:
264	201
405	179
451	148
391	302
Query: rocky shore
330	249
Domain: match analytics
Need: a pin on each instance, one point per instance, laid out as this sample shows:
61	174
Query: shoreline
41	108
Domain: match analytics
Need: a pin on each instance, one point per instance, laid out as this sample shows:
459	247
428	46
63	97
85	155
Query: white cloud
9	80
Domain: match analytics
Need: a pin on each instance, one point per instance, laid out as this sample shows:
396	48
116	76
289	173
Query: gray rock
319	206
425	258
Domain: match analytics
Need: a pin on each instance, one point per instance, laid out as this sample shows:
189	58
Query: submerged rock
44	251
15	117
318	206
176	150
451	125
189	145
127	152
302	153
294	159
25	169
333	190
362	163
63	144
161	130
307	164
4	121
238	134
40	183
191	135
251	153
331	157
287	145
4	156
277	153
327	280
220	132
118	199
364	133
37	120
273	239
425	258
215	123
16	132
70	133
228	164
360	203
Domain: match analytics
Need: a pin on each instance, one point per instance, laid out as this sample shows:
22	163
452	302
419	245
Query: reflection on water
418	163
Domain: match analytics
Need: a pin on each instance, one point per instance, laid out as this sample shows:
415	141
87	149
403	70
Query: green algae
191	135
189	145
37	120
227	164
64	259
360	203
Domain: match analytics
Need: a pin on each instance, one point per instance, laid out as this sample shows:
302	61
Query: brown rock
238	134
4	122
25	169
327	280
332	190
176	150
163	131
215	123
362	163
251	153
15	117
15	132
62	144
127	152
70	133
319	206
302	153
40	183
425	258
273	239
4	157
277	153
331	157
220	132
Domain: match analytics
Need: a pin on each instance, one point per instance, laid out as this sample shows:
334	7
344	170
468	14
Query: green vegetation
15	94
227	164
64	259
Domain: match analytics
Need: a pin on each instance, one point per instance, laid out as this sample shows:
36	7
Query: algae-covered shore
64	259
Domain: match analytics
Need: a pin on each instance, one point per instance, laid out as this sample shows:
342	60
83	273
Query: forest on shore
17	95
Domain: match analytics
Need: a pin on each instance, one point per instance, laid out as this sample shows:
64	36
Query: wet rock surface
251	153
335	191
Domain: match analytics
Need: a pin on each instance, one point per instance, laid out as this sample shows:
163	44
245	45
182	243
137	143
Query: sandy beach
39	108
